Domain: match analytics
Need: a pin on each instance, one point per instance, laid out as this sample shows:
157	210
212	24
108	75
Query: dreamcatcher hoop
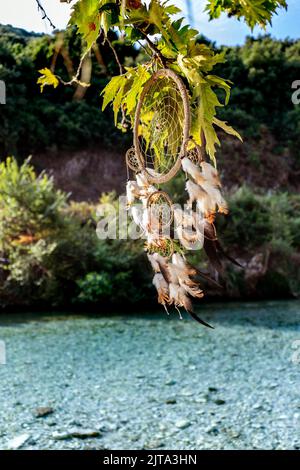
160	210
179	87
132	161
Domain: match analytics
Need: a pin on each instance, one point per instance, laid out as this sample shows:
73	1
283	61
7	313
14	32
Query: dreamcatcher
162	147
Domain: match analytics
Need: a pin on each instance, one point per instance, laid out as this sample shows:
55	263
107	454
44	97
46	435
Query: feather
208	198
193	170
214	249
192	271
205	205
137	215
185	218
226	255
142	180
182	271
163	266
216	198
145	220
209	279
179	261
132	192
194	290
162	288
154	263
189	231
188	240
183	300
174	272
198	319
213	255
152	172
210	174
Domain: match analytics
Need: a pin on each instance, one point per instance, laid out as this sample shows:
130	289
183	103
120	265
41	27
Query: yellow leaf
47	78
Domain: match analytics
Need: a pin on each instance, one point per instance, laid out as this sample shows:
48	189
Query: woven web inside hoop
160	211
132	161
161	125
194	155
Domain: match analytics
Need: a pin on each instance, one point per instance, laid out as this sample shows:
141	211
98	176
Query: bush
248	224
49	251
41	248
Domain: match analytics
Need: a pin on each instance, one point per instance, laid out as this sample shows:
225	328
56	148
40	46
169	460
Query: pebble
18	442
219	401
76	432
182	423
43	411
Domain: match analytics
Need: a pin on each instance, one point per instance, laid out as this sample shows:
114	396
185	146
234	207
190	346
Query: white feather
193	170
197	193
137	215
215	197
145	220
178	260
132	192
210	174
189	231
160	283
153	173
142	180
178	296
188	285
189	240
154	263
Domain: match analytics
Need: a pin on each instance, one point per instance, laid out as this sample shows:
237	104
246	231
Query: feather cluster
175	280
175	283
204	188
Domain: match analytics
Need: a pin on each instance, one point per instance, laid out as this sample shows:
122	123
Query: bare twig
45	16
154	49
115	54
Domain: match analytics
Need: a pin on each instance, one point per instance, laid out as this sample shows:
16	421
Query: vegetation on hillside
262	72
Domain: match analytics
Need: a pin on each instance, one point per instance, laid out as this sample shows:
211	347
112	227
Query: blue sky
24	14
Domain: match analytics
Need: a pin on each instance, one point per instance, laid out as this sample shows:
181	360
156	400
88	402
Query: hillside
75	140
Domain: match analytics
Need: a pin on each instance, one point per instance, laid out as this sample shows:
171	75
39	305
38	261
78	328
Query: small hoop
160	209
132	160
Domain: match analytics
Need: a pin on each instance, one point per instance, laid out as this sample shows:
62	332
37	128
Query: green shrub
248	224
42	249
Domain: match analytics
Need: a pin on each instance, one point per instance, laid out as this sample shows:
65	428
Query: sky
228	31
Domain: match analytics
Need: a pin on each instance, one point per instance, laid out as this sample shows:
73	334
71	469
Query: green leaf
141	77
254	12
220	83
111	89
226	128
85	15
118	101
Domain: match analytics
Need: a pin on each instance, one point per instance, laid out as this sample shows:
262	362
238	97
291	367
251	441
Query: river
150	381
